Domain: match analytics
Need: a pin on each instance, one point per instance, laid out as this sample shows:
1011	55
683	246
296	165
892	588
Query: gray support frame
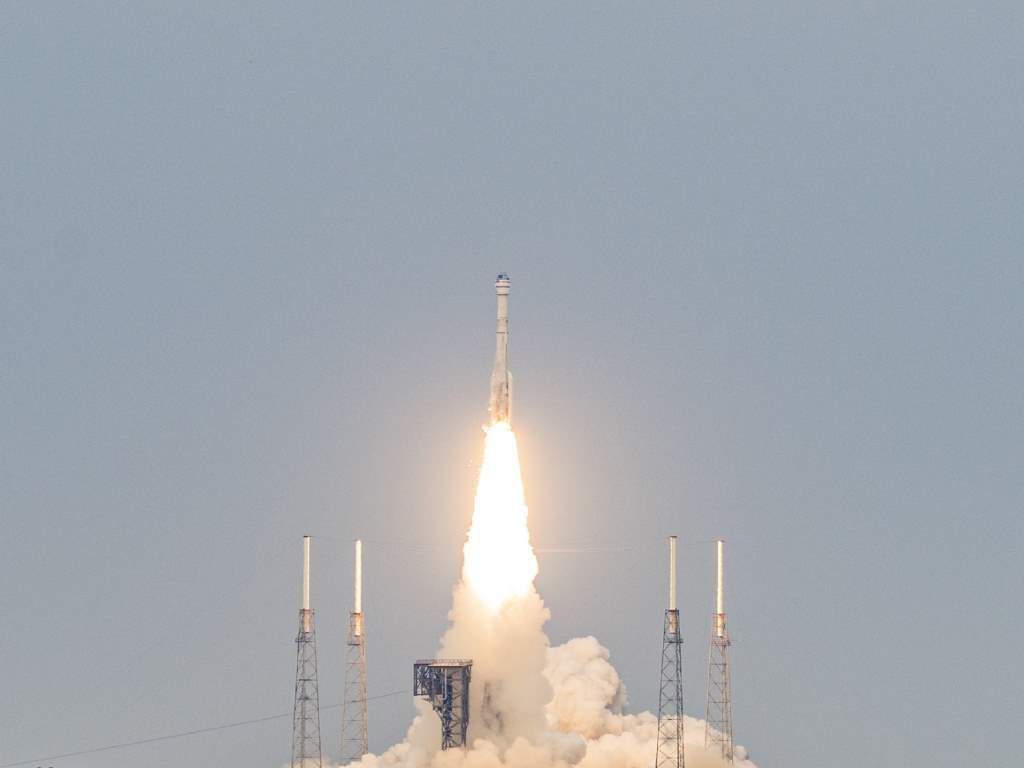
670	752
445	684
306	748
718	717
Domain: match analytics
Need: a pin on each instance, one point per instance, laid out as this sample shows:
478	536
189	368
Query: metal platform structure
445	684
670	752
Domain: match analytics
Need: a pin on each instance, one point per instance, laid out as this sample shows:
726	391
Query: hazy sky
767	266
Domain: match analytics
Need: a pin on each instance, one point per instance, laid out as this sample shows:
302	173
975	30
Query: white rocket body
501	379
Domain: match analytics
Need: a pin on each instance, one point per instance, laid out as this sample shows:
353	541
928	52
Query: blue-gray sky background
767	266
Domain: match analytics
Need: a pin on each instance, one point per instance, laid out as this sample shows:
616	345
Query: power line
180	735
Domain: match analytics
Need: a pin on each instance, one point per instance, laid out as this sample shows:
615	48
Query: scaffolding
718	716
445	684
306	713
306	748
354	728
670	752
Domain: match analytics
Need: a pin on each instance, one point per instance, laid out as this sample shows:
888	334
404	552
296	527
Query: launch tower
306	749
445	684
354	729
670	699
718	726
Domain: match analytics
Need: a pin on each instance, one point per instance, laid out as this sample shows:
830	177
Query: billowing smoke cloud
531	706
583	719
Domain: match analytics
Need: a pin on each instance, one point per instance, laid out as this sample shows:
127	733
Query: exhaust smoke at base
531	705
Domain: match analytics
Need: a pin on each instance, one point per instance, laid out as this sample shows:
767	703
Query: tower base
306	748
445	684
670	752
718	716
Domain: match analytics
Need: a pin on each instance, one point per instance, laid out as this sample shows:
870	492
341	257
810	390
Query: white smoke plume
531	705
585	724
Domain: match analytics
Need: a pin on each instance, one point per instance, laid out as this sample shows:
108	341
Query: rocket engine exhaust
530	705
501	379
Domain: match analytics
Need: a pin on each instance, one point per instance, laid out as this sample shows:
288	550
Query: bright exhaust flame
531	705
498	561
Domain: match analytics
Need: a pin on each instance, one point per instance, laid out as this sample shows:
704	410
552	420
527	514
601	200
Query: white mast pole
305	573
720	591
306	624
357	589
672	573
720	602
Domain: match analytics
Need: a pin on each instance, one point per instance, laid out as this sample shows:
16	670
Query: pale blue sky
767	265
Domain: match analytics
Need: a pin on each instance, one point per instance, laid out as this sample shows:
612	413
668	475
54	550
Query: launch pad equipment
445	684
718	716
306	748
670	699
354	727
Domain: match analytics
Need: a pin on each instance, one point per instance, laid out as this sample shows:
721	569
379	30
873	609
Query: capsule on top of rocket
501	379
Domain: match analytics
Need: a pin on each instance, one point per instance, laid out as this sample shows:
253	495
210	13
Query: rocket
501	379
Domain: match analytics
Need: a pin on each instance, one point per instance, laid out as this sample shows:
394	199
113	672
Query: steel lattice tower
354	728
670	752
306	748
718	727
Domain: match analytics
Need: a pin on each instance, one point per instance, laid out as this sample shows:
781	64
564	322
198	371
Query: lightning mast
670	699
306	749
718	727
354	729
